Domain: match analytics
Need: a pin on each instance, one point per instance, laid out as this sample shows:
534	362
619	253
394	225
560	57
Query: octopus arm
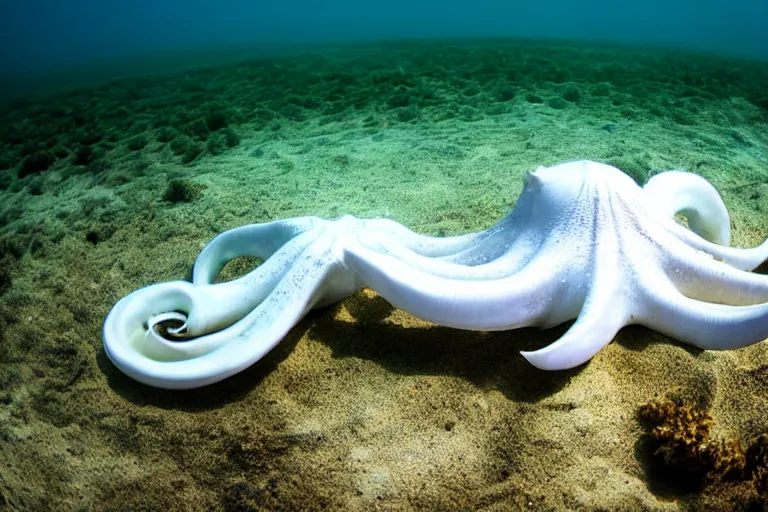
255	240
133	344
601	318
703	324
430	246
679	192
604	312
742	259
702	278
513	257
494	304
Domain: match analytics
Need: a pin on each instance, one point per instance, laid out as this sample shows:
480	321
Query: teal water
38	36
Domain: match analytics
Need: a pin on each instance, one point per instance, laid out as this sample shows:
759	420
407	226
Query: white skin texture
583	242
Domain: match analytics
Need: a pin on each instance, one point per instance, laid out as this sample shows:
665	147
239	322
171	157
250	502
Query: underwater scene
411	256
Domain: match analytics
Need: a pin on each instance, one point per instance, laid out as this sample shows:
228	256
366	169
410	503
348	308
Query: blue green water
37	35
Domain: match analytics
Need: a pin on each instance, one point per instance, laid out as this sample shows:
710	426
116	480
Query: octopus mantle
583	242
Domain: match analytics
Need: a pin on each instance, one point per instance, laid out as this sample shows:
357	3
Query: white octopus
583	242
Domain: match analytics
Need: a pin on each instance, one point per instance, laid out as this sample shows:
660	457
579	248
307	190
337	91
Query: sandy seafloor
362	406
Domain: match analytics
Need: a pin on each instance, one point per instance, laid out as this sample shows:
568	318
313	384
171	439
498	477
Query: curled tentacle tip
164	318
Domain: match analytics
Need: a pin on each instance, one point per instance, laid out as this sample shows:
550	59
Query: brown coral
757	464
760	480
682	434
